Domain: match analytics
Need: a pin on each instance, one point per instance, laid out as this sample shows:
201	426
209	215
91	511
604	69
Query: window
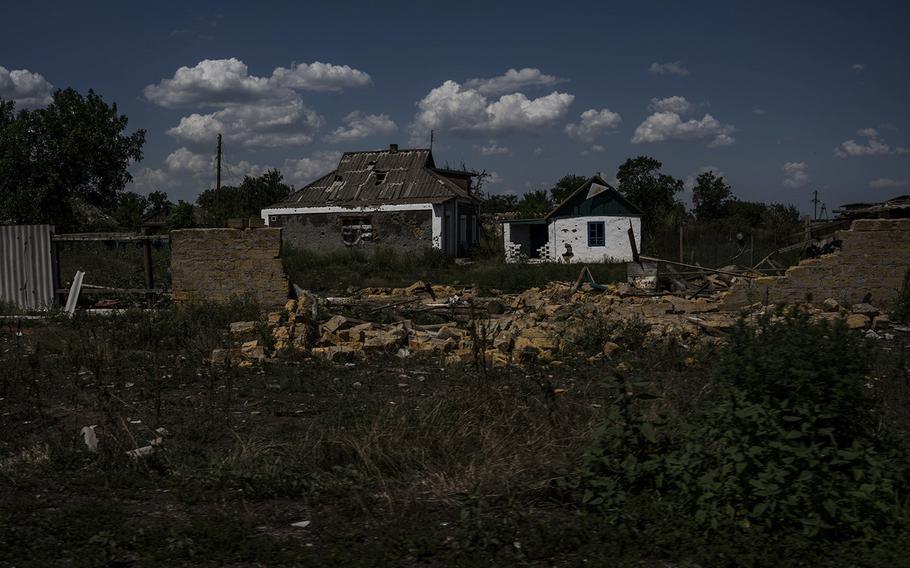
356	230
380	176
596	234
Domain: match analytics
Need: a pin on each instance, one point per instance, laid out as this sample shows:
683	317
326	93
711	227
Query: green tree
158	202
641	182
782	221
534	204
74	151
181	216
130	210
504	203
565	186
710	196
242	201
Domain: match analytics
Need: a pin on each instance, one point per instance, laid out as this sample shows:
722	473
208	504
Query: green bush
788	442
901	310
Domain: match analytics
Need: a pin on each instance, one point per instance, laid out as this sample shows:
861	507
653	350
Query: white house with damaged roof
591	225
391	198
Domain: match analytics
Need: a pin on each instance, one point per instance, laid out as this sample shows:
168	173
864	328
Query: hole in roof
371	164
380	177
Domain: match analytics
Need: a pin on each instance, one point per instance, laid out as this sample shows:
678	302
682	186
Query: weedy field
784	445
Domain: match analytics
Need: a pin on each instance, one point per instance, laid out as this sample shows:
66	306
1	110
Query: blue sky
781	98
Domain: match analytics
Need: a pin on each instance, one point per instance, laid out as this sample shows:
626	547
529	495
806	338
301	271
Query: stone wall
221	264
874	256
403	230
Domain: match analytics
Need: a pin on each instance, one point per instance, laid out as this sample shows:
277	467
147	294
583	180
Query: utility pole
431	139
218	168
814	204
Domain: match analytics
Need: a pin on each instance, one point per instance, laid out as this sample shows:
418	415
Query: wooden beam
87	289
699	268
109	237
148	269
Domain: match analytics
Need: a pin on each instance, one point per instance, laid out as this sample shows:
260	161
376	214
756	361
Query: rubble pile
540	324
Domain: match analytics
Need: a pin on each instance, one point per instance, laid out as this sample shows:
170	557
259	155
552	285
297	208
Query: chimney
393	148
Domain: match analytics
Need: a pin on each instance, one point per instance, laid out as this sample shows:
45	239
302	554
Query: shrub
901	310
788	441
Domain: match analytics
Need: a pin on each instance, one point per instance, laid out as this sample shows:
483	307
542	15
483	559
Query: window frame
357	229
592	241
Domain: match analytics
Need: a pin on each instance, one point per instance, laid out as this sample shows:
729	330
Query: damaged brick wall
404	230
221	264
874	256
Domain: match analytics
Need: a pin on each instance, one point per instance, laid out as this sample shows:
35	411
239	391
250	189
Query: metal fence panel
26	266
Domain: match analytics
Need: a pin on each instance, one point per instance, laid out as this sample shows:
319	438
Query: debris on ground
456	324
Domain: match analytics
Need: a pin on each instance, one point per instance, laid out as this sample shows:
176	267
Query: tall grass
385	267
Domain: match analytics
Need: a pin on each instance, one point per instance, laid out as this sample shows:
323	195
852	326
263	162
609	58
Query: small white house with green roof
591	225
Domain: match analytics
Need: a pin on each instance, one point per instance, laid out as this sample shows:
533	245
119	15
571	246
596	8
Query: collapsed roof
382	177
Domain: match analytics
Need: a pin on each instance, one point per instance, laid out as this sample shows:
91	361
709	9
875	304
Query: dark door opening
539	238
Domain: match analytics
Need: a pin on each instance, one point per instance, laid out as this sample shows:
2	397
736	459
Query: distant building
591	225
392	198
895	208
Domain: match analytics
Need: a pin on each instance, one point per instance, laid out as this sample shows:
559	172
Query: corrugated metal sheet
26	267
375	178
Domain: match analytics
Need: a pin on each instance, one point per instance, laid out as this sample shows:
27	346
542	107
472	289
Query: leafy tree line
68	157
655	193
67	164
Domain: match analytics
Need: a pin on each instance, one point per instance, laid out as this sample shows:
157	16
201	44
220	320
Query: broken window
596	234
356	230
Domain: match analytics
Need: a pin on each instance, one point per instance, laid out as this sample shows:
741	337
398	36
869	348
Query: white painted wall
574	231
437	211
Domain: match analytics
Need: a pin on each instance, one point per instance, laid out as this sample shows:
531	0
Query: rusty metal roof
381	177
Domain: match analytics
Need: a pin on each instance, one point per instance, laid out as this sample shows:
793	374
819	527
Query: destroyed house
391	198
591	225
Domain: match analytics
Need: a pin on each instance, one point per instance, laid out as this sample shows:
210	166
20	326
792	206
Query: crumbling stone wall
403	230
874	256
221	264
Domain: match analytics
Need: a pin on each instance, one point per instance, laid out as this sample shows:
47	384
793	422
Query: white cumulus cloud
795	174
511	81
493	149
321	77
268	125
493	178
25	88
873	145
676	104
672	68
593	124
184	160
595	148
251	111
665	126
309	168
212	82
887	183
461	110
857	67
358	126
215	82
